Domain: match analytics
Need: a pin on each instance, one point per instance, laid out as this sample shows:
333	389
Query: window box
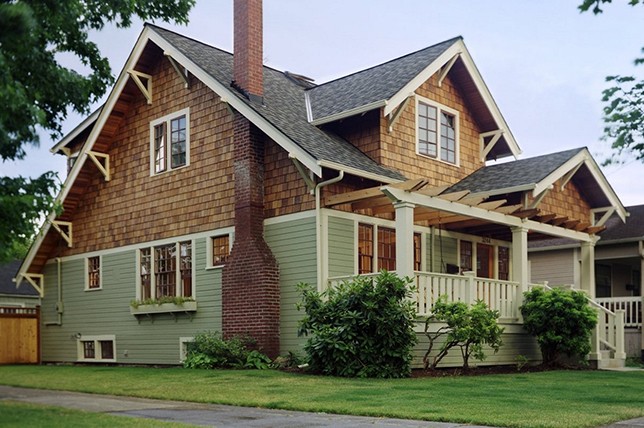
163	308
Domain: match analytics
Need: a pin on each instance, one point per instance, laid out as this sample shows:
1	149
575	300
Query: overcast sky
543	61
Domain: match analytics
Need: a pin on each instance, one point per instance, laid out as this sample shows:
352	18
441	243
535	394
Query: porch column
588	268
404	238
641	251
520	261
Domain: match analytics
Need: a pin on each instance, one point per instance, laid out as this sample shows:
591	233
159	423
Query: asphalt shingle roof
7	272
373	84
284	106
513	174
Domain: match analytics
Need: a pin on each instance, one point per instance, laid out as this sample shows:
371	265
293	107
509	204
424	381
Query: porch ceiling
459	211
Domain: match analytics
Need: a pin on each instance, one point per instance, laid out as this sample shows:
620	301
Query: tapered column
404	239
520	261
588	268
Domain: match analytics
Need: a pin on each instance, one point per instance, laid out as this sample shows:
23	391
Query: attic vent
303	81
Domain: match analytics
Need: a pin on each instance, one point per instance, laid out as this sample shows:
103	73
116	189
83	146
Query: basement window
100	349
170	142
436	131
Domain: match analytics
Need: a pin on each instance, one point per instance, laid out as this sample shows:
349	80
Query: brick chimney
250	278
248	62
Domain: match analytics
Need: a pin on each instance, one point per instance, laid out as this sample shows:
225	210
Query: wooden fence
19	335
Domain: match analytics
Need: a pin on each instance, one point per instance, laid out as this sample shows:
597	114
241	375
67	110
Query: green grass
545	399
22	415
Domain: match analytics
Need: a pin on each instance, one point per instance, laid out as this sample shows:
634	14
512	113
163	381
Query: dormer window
437	131
170	142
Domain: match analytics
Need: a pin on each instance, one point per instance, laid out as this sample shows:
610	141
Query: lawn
20	415
544	399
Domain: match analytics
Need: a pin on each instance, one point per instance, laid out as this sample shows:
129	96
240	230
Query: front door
484	261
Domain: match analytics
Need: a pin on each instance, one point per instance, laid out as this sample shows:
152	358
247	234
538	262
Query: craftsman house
215	184
619	270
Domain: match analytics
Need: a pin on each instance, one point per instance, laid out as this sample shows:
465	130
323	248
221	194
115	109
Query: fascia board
349	113
77	131
231	98
89	144
358	172
555	175
605	186
422	77
502	191
483	214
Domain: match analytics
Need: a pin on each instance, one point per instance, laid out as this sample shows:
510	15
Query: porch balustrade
429	286
632	307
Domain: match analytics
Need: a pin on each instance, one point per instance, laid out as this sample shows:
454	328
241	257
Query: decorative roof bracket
146	89
485	150
104	169
306	177
537	200
446	68
66	234
37	281
566	178
608	211
183	74
393	116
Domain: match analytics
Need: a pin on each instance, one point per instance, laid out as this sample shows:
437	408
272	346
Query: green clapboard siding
293	244
341	247
444	251
146	340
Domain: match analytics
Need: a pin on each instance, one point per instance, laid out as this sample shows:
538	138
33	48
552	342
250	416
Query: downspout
59	301
318	226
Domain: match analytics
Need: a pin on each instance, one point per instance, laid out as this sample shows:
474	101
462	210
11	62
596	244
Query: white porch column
404	239
520	261
588	268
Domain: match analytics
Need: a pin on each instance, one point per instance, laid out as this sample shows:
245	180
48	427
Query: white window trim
177	289
100	273
97	348
377	225
183	348
167	119
209	249
457	131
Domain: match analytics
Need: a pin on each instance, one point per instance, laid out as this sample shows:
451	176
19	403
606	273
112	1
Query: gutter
59	301
318	226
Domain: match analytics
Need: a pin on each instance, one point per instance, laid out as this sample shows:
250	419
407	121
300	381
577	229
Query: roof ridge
450	41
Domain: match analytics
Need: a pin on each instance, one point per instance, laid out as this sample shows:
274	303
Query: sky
544	62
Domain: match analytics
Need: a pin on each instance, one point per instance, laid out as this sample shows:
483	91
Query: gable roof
538	173
7	286
388	85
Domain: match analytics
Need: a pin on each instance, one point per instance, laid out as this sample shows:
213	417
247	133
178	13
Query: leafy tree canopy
36	91
624	104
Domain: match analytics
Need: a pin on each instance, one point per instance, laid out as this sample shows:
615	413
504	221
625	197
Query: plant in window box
163	304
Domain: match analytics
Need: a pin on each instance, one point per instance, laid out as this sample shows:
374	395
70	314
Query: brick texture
248	62
250	281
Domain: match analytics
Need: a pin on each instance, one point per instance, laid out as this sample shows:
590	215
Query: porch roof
462	211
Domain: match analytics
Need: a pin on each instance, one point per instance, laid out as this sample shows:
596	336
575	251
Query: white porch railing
498	295
632	307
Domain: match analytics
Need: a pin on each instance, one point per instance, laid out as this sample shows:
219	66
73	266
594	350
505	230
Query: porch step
608	363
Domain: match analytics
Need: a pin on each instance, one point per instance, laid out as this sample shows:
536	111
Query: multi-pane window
385	244
365	248
93	273
170	142
97	348
466	256
437	132
504	263
165	271
386	249
220	249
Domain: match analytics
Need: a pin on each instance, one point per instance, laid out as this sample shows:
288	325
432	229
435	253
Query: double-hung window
165	271
382	243
437	131
93	273
170	142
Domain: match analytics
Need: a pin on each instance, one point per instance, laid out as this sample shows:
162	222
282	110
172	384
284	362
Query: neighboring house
619	269
11	296
211	179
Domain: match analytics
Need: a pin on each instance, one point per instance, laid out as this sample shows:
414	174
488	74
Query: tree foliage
362	328
623	101
561	320
468	327
36	91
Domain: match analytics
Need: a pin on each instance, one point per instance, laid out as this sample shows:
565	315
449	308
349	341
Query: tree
624	101
36	91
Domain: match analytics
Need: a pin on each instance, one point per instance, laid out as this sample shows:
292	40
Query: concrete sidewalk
218	415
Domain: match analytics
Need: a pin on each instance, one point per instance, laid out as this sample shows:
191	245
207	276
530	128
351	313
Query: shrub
210	350
468	327
361	328
561	320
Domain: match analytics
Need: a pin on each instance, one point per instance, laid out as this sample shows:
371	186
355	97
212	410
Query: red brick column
250	283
